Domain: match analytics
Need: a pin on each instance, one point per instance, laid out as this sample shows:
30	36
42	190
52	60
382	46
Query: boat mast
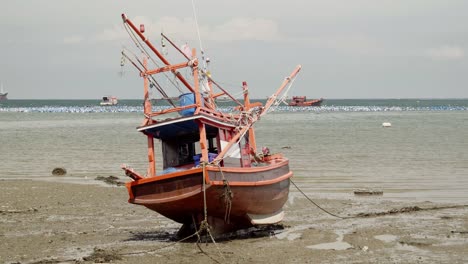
198	100
247	106
147	109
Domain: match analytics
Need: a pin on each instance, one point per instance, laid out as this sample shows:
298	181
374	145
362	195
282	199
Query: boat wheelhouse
109	100
302	101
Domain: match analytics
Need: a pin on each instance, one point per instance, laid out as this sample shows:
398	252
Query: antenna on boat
199	37
204	75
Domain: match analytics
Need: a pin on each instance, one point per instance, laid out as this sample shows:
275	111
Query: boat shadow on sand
173	235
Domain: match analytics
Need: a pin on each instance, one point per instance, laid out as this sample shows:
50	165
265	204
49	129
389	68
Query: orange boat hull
259	191
301	101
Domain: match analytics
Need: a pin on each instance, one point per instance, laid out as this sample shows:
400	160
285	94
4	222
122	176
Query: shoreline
51	222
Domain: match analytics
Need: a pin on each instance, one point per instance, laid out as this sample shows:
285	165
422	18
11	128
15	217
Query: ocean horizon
328	105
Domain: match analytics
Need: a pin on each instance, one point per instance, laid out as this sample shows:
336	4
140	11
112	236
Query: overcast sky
57	49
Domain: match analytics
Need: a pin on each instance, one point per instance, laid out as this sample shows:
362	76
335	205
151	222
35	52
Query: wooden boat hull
230	203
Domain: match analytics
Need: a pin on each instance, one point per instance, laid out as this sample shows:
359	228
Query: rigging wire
159	88
138	44
282	98
153	82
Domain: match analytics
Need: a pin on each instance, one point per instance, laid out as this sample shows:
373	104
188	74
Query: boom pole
160	56
272	98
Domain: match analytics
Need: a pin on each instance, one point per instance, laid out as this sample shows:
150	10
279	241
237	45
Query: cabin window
212	147
181	151
185	153
177	153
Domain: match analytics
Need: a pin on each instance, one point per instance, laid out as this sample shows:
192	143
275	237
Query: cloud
346	43
115	33
245	29
184	29
445	53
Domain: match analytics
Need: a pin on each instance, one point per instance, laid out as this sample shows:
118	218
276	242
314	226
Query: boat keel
266	219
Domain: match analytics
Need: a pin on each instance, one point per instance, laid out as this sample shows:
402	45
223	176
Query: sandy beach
50	222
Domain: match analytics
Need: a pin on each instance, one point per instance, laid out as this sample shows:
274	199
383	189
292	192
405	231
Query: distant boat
302	101
222	99
109	100
3	95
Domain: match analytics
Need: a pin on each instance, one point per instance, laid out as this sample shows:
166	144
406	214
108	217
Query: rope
204	225
228	195
160	248
205	210
152	80
318	206
393	211
252	116
138	44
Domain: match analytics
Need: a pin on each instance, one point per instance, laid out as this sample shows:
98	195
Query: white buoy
386	124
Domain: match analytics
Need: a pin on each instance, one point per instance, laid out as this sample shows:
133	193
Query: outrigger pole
263	111
286	81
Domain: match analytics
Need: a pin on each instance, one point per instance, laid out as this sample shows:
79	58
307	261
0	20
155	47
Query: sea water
333	149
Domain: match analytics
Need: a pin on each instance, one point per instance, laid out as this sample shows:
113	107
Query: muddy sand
50	222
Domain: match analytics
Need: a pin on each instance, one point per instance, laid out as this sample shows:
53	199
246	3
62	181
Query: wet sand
50	222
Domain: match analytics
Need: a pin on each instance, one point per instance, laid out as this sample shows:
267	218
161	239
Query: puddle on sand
386	238
337	245
291	233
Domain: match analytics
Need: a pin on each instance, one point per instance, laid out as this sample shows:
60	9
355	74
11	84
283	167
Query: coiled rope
227	195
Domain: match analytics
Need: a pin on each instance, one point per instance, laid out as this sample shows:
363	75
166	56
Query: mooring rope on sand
204	225
406	209
318	206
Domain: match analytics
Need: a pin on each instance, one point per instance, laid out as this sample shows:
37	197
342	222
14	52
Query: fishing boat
209	174
109	100
302	101
3	95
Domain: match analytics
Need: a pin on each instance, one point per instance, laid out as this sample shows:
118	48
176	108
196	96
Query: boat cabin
109	100
181	147
298	99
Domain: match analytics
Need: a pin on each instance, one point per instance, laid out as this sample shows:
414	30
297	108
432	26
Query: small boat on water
109	100
3	95
210	173
302	101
